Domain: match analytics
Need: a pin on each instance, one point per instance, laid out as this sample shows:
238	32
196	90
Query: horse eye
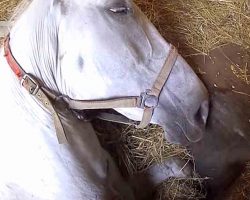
120	10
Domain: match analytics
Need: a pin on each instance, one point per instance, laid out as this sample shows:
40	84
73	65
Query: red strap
11	60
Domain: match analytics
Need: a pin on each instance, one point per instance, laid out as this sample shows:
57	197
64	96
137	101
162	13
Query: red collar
16	68
23	77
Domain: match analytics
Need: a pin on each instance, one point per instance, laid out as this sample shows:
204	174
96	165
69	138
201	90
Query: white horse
85	49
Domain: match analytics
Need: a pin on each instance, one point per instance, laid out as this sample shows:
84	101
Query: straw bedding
6	8
196	27
136	150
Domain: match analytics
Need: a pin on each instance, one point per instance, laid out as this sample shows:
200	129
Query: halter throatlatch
147	100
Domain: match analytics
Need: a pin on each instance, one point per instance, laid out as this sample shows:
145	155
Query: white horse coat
85	50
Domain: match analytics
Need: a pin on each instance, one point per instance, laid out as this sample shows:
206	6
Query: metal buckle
148	100
31	90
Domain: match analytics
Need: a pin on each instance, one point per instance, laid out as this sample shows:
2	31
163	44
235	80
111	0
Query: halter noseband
148	100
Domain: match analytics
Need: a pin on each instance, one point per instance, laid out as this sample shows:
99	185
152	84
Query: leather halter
148	100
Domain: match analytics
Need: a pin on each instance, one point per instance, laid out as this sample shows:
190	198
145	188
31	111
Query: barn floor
214	37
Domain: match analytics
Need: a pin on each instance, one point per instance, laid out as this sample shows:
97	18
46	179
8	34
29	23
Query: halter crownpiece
147	100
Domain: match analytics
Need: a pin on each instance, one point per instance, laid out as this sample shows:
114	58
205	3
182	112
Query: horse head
99	49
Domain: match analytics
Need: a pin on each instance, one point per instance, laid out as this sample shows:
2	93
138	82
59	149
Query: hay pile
181	189
201	25
136	150
196	27
6	8
240	190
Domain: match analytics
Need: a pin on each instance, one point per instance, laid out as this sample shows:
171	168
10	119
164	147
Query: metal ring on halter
148	100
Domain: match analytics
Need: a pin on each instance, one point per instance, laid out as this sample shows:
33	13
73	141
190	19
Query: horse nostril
202	113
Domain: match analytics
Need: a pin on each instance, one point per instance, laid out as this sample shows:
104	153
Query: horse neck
33	44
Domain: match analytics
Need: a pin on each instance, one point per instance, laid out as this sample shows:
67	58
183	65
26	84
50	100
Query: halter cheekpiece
147	100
